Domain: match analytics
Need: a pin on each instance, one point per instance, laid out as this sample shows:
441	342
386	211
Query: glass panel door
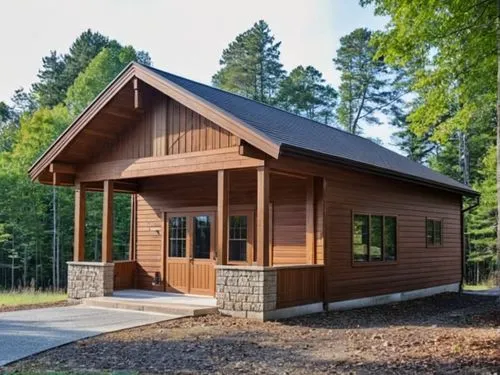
202	237
177	232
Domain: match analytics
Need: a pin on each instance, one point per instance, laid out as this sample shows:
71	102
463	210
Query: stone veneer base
246	291
90	279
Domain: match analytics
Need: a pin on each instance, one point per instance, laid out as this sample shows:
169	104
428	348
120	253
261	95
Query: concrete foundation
90	279
391	298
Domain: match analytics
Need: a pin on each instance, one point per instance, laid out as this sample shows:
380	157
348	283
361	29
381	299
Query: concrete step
162	308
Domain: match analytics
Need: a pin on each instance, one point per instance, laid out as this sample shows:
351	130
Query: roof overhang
354	165
186	98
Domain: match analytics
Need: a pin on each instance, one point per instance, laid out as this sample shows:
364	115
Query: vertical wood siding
124	274
166	128
299	285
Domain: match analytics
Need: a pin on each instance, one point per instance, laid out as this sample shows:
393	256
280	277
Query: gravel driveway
27	332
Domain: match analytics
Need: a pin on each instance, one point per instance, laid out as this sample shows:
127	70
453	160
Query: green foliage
304	92
59	72
482	221
368	86
26	130
250	65
450	49
454	42
97	75
36	133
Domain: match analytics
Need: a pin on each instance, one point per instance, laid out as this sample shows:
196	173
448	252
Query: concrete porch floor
158	302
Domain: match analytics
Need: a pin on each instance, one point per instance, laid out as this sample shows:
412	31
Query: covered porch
250	237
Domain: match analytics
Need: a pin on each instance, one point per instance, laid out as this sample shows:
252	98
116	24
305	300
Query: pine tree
368	86
58	72
304	92
250	65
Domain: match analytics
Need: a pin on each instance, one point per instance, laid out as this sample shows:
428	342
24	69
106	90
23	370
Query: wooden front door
190	252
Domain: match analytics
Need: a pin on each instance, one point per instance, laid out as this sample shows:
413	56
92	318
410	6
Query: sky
183	37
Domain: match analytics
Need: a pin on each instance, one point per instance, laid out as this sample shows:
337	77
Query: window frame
250	237
434	220
356	263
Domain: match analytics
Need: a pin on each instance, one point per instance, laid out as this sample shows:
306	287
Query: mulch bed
6	308
445	334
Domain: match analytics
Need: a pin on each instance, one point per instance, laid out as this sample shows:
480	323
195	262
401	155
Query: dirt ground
445	334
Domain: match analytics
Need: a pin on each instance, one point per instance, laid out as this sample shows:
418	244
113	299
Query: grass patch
30	298
478	287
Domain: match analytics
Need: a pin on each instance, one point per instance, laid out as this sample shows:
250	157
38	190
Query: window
433	232
177	236
238	228
374	238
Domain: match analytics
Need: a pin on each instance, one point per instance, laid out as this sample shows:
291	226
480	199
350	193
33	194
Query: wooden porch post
79	225
133	226
222	215
107	222
262	227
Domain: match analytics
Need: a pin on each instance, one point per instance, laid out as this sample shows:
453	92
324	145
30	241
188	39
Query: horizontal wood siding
167	128
417	266
299	285
318	221
288	197
124	274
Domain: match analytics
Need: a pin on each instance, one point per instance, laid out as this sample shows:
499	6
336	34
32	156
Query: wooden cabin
273	214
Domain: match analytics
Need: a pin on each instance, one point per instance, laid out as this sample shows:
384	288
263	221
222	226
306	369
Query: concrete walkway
157	302
27	332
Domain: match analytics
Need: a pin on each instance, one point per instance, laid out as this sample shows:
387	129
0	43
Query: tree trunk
498	143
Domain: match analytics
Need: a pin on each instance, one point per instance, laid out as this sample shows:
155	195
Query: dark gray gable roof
296	132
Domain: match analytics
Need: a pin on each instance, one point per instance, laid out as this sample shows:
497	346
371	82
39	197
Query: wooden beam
288	174
310	246
107	222
222	215
62	168
252	152
98	133
137	95
262	227
200	161
118	186
62	179
123	114
79	225
133	227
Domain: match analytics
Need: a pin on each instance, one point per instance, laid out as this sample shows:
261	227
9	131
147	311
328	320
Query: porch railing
124	274
299	285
